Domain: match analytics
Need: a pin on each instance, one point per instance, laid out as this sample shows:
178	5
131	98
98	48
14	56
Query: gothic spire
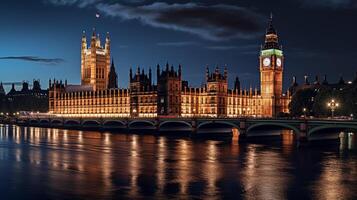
150	76
158	71
113	77
317	81
294	84
167	66
207	73
341	81
325	80
306	82
112	64
271	37
2	91
225	72
131	74
93	34
179	70
271	29
107	37
237	84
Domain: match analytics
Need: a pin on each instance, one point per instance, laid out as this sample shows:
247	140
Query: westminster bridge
303	129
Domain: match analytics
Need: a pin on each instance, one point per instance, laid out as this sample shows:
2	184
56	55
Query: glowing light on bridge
333	105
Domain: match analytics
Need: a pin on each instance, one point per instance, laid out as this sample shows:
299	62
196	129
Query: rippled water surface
40	163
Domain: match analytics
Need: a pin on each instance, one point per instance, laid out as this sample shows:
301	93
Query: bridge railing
247	118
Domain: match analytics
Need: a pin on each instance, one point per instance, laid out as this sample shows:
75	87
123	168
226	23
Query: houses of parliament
99	95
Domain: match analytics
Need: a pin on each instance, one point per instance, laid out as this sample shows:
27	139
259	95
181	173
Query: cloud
79	3
49	61
245	49
216	22
212	22
222	48
178	44
335	4
306	53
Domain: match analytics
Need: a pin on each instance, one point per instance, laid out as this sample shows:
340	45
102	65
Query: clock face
278	62
266	62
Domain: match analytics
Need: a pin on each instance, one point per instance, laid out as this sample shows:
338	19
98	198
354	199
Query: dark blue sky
41	39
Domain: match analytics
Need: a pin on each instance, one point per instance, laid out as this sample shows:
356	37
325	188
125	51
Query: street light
304	110
333	105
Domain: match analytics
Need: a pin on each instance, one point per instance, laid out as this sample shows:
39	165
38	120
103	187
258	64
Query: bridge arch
334	127
281	125
44	121
114	123
91	123
34	121
217	127
227	124
71	122
141	124
56	121
175	125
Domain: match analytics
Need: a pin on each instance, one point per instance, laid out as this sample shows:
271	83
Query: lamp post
333	105
304	110
134	112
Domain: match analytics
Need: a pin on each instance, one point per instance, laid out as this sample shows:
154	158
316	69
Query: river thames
39	163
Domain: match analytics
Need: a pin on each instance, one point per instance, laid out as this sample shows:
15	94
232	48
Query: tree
303	98
315	100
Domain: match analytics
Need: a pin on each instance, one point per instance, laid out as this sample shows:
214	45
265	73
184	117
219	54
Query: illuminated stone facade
271	74
171	96
143	95
95	62
67	101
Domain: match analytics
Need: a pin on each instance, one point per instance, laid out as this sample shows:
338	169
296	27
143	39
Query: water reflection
334	172
67	164
348	140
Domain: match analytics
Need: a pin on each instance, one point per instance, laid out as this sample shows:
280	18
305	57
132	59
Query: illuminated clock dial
278	62
266	62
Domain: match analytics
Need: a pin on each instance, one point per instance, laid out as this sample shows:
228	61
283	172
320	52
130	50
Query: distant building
26	99
99	96
317	84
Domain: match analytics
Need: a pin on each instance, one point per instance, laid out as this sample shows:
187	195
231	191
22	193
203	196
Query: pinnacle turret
271	37
112	77
271	29
2	91
325	82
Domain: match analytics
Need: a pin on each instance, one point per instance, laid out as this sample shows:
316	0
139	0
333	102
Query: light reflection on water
66	164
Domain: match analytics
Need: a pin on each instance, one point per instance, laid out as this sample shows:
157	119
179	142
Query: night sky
41	39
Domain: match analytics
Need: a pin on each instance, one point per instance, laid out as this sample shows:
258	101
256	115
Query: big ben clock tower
271	72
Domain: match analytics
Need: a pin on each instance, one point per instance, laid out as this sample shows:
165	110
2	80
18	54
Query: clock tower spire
271	71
